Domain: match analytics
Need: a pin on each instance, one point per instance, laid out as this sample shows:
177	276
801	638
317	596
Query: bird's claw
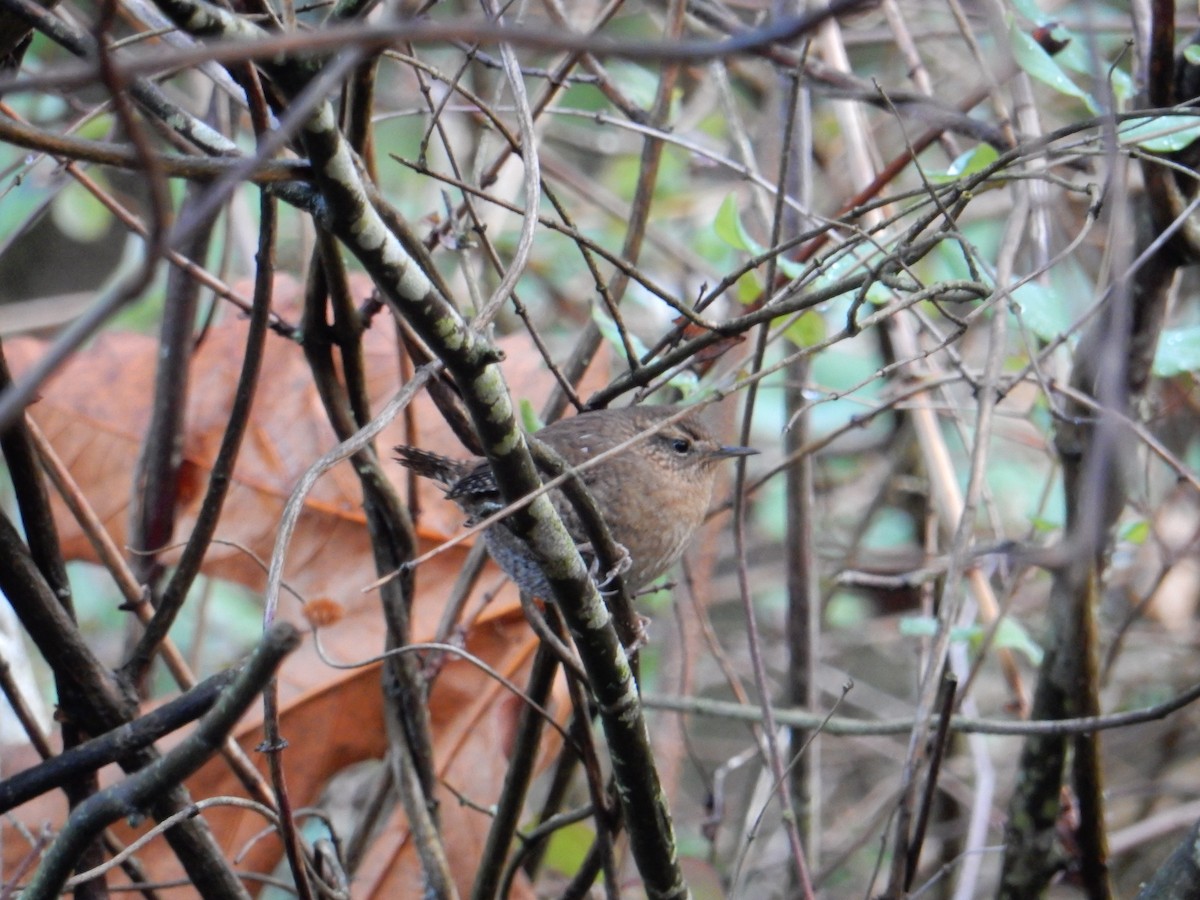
641	637
623	565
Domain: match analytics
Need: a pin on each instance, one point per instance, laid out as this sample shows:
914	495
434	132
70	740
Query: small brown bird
653	495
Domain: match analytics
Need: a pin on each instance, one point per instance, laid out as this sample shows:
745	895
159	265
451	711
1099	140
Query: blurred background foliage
879	540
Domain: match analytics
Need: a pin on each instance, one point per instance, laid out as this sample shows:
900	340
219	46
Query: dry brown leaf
333	726
96	407
341	723
95	410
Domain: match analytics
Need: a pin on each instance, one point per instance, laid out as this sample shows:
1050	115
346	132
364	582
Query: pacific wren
653	495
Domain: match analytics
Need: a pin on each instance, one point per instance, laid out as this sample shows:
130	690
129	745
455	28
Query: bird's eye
681	445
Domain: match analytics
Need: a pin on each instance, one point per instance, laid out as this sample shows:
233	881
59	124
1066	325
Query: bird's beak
730	452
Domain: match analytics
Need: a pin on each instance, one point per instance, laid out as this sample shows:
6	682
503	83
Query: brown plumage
653	495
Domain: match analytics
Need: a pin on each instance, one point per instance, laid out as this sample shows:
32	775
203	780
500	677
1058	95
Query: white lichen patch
507	445
595	615
545	536
630	714
197	22
489	388
412	284
449	331
369	230
340	168
321	121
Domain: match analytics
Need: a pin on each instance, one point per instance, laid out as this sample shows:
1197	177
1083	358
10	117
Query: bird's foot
640	637
623	565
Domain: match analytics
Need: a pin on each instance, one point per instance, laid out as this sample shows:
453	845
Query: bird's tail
442	469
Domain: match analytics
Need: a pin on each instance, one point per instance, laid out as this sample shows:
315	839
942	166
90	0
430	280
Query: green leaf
1045	526
1011	635
608	330
530	420
968	163
807	330
846	610
1122	86
1029	9
890	529
847	264
1041	65
927	626
637	82
1044	312
685	382
790	267
747	289
1191	53
729	228
918	626
79	215
569	847
97	129
1159	134
1136	532
1078	55
1178	351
